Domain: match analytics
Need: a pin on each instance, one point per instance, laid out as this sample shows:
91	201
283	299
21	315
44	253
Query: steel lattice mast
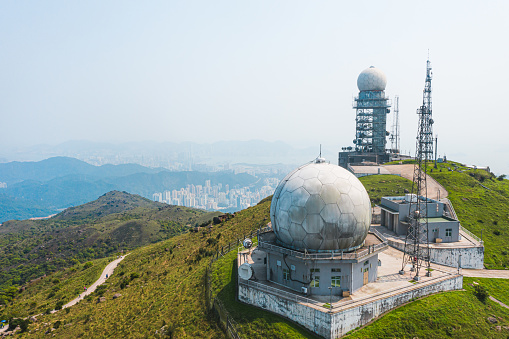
417	252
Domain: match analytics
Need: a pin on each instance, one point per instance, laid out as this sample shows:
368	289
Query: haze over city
285	71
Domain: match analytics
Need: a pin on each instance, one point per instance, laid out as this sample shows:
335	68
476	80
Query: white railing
326	255
278	292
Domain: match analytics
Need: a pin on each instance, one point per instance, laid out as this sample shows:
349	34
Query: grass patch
379	186
480	209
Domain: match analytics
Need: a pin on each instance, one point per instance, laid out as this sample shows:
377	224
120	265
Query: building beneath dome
372	107
337	273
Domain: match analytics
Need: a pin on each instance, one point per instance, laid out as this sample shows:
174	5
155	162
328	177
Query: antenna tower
395	140
417	252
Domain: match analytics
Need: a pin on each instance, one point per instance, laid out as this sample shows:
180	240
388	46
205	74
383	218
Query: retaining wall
337	324
471	257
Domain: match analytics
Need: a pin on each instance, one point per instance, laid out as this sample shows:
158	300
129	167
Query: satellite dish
247	243
245	271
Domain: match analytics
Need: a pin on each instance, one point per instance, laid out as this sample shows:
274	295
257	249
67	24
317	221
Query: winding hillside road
108	271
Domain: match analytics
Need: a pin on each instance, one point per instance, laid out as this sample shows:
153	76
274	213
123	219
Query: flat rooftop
465	241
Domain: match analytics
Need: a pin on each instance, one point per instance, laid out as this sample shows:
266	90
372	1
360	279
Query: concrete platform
370	301
389	281
468	250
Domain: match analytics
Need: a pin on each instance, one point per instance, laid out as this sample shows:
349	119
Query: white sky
239	70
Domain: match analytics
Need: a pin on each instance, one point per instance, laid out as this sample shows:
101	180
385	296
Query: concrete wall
471	257
347	320
339	323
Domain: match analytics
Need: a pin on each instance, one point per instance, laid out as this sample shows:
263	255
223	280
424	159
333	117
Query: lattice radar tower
417	251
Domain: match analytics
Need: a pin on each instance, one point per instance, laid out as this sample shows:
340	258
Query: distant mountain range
37	189
157	154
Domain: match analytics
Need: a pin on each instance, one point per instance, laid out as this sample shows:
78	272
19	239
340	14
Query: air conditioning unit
278	263
304	290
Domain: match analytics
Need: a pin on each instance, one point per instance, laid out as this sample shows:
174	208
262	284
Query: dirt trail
108	271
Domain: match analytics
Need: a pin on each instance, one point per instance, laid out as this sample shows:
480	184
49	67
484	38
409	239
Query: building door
366	276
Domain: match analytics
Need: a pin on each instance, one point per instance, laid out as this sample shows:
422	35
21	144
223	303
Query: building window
286	274
315	270
335	270
366	262
366	269
315	282
335	281
448	232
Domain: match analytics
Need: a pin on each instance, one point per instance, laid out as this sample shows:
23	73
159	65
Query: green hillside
481	202
163	284
114	222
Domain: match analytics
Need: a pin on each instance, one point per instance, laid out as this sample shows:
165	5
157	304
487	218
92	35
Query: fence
226	321
326	255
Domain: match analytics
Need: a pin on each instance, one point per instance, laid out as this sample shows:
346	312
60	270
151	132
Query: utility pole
436	149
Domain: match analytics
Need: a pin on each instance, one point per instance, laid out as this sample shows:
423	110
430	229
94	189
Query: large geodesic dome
320	207
372	79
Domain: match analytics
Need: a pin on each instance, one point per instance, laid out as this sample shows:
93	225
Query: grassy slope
43	294
253	322
479	209
169	289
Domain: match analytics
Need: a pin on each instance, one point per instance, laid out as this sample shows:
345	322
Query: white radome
372	79
320	207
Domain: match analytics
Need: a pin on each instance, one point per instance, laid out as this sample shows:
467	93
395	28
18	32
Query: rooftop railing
326	255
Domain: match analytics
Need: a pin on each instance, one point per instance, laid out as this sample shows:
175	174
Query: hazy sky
238	70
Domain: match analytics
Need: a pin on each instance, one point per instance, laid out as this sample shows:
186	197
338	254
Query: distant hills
115	221
48	169
38	189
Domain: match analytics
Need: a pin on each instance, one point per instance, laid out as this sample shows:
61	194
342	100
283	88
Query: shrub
496	232
88	264
481	293
57	324
134	275
59	305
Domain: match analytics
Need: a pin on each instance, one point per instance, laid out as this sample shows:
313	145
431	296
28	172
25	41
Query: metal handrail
317	256
278	292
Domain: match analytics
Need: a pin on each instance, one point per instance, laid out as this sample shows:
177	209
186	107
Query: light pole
330	300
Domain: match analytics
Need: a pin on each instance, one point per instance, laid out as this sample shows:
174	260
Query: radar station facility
321	263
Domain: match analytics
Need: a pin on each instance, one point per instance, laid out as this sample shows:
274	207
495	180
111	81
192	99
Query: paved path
407	172
108	270
503	274
498	302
